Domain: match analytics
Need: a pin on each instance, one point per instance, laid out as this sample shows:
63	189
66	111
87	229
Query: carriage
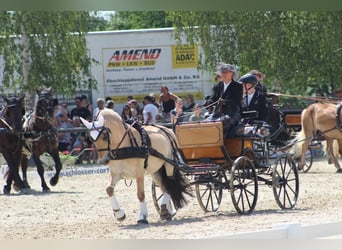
238	164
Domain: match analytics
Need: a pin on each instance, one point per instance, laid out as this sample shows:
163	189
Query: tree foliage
126	20
45	48
300	50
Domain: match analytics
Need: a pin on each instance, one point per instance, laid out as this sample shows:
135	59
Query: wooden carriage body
203	142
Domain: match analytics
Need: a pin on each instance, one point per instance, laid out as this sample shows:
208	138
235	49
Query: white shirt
150	108
225	86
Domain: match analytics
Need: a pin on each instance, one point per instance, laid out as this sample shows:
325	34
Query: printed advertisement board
138	71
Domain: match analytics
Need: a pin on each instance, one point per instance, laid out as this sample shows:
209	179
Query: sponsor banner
139	71
64	173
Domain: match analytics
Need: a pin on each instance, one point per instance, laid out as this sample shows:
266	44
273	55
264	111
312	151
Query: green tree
125	20
45	48
299	50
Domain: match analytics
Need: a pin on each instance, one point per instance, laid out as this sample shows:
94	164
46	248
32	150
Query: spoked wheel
243	185
209	194
285	182
157	197
308	161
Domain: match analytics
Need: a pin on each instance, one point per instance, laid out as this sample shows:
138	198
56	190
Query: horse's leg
13	173
165	204
40	170
58	166
24	166
119	213
331	154
339	143
142	218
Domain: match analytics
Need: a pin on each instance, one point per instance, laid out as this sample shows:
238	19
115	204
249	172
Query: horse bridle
48	98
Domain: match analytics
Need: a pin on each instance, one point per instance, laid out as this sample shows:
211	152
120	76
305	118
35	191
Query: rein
322	99
6	124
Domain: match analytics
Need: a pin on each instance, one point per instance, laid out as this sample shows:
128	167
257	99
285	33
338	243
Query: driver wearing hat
227	96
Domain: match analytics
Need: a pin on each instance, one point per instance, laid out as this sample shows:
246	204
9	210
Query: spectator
150	111
85	103
167	101
64	139
136	105
100	102
190	103
177	115
80	111
153	95
110	105
133	104
197	115
126	113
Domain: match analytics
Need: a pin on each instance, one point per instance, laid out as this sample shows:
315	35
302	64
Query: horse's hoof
16	188
164	213
120	215
6	190
122	218
53	181
339	170
142	222
46	190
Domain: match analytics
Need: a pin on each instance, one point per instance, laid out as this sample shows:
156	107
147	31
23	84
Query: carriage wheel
157	196
285	182
209	194
308	161
243	185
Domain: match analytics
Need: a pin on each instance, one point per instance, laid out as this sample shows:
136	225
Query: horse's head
98	134
13	112
45	103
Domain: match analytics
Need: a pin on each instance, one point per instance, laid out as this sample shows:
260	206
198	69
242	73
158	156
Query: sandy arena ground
78	208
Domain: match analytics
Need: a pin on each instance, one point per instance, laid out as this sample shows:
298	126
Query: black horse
11	141
41	136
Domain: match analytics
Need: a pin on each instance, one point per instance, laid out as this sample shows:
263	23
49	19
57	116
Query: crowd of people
230	97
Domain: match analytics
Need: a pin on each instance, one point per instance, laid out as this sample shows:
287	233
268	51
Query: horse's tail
176	186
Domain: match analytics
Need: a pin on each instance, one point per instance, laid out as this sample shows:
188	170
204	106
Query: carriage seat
201	134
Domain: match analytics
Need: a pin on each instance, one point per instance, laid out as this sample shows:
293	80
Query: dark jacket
258	103
232	98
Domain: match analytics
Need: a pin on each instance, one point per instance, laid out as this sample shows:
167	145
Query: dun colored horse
120	145
11	139
42	137
320	120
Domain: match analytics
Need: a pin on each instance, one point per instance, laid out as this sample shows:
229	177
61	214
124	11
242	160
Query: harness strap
338	117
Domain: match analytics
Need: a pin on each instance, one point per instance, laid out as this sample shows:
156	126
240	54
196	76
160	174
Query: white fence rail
291	231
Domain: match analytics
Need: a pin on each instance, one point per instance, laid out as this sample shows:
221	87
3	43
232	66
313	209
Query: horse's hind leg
339	153
166	209
119	213
331	154
142	219
58	167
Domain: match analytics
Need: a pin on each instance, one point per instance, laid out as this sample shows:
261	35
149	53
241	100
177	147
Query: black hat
248	78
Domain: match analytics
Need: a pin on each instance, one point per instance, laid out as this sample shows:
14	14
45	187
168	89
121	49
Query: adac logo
134	57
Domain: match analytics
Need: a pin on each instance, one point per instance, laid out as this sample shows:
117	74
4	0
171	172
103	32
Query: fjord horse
323	119
41	136
120	144
11	140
